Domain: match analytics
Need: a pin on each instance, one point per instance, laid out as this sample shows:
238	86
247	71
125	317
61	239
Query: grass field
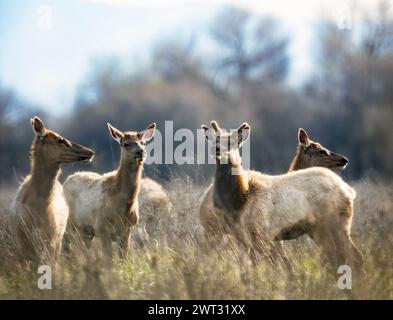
176	265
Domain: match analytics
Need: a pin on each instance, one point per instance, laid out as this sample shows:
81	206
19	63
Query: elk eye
60	140
323	152
143	143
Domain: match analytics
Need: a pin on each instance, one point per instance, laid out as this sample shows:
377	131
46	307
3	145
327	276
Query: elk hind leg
294	231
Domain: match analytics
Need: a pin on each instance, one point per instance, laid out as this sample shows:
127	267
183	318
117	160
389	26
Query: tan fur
106	206
312	154
155	205
39	211
308	154
312	201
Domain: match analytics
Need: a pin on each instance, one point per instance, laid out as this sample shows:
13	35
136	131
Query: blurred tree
173	60
354	77
251	48
347	104
15	136
378	33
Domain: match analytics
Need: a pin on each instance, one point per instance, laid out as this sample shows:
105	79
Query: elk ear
148	133
38	127
209	134
303	137
215	126
242	133
115	133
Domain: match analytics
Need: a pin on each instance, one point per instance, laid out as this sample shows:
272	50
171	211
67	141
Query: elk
155	204
308	154
39	211
312	154
257	208
106	206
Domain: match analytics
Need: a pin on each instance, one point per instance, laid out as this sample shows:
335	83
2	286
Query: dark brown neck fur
230	191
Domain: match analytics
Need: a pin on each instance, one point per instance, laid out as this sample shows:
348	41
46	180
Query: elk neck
230	190
128	177
44	174
298	161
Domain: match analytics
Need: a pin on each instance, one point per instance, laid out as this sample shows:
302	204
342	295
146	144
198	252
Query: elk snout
341	161
84	154
344	161
141	154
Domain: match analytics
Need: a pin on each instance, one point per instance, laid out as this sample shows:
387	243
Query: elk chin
337	167
86	159
78	158
341	167
139	161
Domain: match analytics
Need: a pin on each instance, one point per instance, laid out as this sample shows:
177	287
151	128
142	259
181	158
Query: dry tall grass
174	264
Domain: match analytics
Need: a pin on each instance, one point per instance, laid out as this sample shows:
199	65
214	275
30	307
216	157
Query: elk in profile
312	154
106	206
39	211
256	208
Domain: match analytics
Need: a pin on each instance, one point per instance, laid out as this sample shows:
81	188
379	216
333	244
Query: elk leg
125	244
88	234
70	231
294	231
279	251
106	241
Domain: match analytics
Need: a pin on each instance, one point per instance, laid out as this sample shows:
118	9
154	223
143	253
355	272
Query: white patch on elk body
88	203
60	208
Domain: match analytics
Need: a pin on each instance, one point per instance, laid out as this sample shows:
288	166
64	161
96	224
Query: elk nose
89	151
344	161
140	153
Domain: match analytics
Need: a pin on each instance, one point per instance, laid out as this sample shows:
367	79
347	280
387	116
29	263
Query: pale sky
45	59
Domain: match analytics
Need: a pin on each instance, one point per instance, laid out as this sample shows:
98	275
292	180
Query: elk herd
258	212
